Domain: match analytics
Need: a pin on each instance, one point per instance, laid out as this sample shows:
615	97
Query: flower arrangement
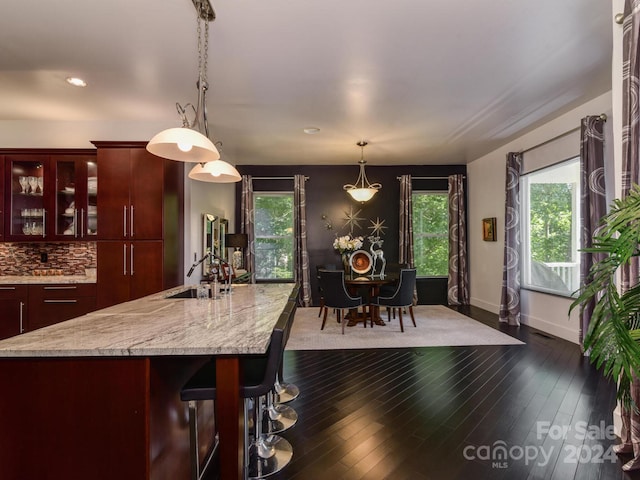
347	243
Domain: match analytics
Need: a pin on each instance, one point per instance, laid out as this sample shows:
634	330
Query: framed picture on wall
489	229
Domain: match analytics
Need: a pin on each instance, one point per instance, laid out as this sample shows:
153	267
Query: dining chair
402	297
328	266
336	295
393	272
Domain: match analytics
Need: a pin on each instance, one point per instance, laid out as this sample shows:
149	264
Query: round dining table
373	284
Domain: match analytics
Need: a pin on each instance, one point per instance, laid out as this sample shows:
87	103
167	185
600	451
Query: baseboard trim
551	328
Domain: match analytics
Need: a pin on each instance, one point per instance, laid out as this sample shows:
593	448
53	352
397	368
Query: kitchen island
98	396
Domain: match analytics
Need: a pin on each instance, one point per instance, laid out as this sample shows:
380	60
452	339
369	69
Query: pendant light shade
191	142
362	191
217	171
184	145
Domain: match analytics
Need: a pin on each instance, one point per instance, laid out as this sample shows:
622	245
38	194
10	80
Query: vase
345	264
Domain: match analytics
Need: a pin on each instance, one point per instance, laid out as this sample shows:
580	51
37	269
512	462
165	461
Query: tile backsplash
66	258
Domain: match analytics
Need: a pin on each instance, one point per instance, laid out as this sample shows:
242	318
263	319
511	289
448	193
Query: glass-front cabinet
76	189
50	197
27	209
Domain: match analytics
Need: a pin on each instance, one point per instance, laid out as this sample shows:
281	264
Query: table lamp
237	241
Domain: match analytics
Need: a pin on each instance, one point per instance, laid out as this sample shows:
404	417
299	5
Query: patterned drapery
510	299
630	115
405	243
630	158
593	202
247	224
458	277
300	238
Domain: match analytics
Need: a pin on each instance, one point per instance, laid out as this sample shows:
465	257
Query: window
431	233
273	216
550	203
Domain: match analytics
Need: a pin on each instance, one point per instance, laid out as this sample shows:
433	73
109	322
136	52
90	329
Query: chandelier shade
184	145
362	191
362	194
217	171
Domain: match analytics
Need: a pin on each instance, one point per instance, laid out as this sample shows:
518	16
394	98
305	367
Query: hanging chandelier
191	142
362	191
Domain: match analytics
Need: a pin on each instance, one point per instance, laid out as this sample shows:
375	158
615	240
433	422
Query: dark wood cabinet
131	194
13	310
50	304
128	270
49	195
140	213
29	307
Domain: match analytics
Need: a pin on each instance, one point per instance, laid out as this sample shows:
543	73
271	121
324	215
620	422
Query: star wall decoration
352	219
377	227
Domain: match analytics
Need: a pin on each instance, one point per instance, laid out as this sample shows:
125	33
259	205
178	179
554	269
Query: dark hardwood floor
445	412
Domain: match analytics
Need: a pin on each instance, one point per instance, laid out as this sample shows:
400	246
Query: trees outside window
550	228
273	217
431	233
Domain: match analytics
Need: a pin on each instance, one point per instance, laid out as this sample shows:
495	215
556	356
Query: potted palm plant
613	337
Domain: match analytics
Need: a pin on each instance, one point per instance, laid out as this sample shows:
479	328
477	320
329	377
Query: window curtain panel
510	297
300	238
593	202
630	115
405	237
458	277
247	224
630	433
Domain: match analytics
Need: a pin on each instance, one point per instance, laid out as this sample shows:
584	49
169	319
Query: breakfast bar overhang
98	396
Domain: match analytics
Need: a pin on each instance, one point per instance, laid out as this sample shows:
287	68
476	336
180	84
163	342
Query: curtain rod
603	117
432	178
276	178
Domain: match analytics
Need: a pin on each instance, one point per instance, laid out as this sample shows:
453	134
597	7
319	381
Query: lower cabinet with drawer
13	310
49	304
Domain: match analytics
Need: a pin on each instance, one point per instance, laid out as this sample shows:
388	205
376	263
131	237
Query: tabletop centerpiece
345	246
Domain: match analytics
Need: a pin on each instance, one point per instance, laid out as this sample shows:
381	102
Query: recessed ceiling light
76	82
311	130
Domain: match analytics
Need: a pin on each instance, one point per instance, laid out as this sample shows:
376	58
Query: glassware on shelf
33	185
24	182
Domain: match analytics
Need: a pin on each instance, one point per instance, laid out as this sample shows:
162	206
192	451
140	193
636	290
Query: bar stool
282	417
287	392
267	453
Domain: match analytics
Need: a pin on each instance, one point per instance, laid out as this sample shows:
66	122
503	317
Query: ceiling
423	81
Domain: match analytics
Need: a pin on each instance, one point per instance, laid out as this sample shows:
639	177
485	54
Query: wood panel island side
98	396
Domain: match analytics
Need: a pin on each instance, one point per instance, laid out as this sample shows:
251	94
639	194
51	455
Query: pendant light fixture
362	191
217	171
191	142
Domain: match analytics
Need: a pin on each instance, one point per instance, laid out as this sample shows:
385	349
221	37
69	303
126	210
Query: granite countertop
240	323
48	279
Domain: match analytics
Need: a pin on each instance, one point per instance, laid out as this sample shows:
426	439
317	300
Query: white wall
486	180
57	134
203	197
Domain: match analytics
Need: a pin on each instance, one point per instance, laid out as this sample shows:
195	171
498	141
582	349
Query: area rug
437	325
